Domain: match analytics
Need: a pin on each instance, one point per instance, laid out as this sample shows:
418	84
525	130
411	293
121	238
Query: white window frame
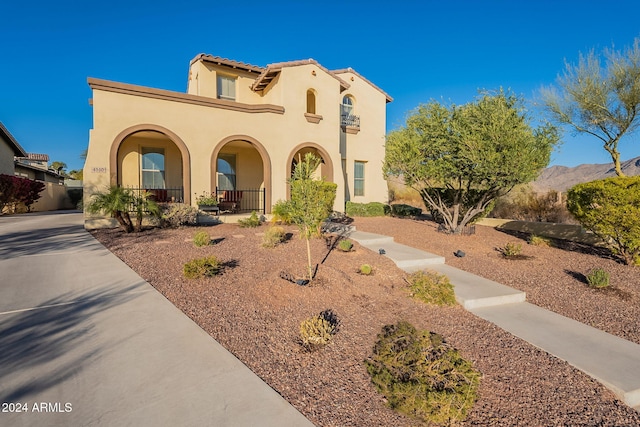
357	192
155	172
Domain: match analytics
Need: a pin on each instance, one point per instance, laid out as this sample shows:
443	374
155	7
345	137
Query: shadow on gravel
567	245
44	346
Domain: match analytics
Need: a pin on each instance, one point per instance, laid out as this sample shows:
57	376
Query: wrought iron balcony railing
350	120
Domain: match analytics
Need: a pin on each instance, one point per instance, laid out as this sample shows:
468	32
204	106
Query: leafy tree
461	158
15	190
311	201
116	202
59	167
599	99
76	174
610	208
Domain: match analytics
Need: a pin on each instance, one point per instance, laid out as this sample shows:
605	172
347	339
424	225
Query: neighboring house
239	127
9	149
36	167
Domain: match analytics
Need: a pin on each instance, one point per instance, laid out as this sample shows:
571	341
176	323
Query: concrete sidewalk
613	361
86	341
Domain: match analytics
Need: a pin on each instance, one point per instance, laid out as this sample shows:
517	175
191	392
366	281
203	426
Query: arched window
311	101
347	106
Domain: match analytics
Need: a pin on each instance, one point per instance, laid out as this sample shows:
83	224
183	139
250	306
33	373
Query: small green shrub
511	250
365	269
201	238
367	209
431	288
317	331
345	245
405	210
539	241
610	208
598	278
421	375
281	212
202	267
252	222
273	236
177	214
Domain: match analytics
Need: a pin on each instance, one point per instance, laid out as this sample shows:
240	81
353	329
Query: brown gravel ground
255	314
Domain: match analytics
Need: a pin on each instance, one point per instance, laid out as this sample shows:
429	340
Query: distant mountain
562	178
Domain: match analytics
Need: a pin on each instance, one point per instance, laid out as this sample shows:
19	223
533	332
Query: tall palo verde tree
461	158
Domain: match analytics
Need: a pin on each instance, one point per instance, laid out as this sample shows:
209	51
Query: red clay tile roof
227	62
272	71
351	70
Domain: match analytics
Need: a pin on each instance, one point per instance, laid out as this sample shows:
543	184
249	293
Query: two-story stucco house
239	127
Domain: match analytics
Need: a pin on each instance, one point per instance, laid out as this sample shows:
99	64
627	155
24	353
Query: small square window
226	88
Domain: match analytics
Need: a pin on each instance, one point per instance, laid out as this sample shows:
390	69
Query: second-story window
226	87
347	106
311	102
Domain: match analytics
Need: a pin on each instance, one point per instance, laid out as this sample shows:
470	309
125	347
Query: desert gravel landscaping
255	314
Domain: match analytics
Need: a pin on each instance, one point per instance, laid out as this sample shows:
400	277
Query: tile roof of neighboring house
351	70
272	71
6	135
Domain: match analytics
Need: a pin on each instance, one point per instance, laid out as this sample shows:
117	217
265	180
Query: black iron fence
242	201
161	195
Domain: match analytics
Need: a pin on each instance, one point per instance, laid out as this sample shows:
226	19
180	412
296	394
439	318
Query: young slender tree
311	201
461	158
599	96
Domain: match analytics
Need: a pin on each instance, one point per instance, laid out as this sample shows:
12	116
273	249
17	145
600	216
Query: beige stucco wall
279	130
6	158
367	144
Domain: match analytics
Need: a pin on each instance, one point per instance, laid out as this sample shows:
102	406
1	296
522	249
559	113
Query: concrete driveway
85	341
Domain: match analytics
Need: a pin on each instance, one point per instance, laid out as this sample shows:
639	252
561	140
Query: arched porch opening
152	158
325	171
241	175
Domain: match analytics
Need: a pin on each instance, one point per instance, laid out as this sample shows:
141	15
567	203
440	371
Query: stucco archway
261	151
115	171
327	163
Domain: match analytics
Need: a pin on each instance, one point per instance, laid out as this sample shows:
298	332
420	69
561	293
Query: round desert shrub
252	221
345	245
610	208
317	331
202	267
201	238
431	288
421	375
365	269
273	236
177	214
598	278
539	241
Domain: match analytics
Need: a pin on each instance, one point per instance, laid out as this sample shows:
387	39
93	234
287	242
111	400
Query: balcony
350	123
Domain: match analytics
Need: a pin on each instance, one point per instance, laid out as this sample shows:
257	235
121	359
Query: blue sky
414	50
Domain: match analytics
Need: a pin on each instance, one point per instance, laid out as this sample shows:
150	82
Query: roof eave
17	148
